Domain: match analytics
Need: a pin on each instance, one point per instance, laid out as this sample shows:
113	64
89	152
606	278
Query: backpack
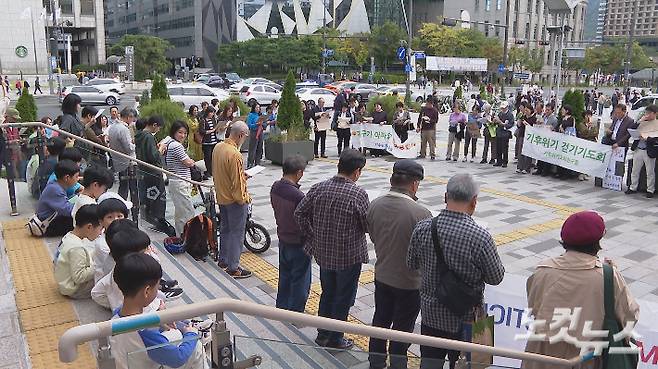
38	227
199	237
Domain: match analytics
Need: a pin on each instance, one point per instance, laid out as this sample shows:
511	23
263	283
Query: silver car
92	95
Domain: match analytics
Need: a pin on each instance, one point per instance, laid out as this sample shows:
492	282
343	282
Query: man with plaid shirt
332	217
469	252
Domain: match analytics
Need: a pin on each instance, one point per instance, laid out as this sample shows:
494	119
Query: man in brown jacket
575	280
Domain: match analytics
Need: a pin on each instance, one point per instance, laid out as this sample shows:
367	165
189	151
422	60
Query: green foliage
159	88
268	55
576	100
27	107
441	40
244	109
388	77
610	58
145	98
521	58
388	105
384	41
459	93
355	50
168	110
149	54
290	117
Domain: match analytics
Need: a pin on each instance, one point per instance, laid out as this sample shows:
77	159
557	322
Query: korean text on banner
566	151
383	137
612	180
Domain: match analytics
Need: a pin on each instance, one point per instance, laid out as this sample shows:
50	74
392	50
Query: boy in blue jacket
53	199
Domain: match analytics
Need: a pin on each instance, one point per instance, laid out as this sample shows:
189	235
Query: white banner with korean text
566	151
507	303
383	137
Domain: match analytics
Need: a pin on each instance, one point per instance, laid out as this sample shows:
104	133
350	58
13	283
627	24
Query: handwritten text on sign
569	152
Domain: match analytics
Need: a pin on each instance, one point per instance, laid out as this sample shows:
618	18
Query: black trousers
432	357
207	157
343	135
502	150
37	88
128	182
321	139
402	132
154	196
397	309
59	227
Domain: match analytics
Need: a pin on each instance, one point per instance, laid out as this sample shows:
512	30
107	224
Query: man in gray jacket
391	221
505	121
121	140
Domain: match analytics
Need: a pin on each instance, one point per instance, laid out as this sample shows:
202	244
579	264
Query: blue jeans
233	220
338	294
294	277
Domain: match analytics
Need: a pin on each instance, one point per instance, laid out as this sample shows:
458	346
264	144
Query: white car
237	87
262	94
194	94
108	84
638	107
91	95
314	94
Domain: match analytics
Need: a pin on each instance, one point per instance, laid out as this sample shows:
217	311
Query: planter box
277	152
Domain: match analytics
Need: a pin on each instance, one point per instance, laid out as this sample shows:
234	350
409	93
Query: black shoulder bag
451	291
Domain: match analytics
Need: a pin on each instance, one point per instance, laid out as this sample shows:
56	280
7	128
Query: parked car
262	94
341	86
108	84
202	78
232	77
362	91
218	82
417	96
91	95
194	94
314	94
637	108
237	87
379	91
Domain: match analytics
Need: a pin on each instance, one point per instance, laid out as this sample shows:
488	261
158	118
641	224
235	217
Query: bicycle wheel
257	239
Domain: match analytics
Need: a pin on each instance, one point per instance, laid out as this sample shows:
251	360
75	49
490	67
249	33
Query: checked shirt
469	251
332	217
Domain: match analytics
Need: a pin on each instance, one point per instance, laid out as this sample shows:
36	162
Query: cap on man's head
410	168
13	113
504	105
583	229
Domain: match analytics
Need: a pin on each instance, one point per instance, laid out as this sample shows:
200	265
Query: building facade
618	20
195	28
21	50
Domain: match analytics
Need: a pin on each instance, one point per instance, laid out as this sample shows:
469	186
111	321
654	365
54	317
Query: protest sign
383	137
567	151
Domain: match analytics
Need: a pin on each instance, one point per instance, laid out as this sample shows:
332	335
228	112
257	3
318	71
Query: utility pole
629	46
324	36
409	58
508	4
34	43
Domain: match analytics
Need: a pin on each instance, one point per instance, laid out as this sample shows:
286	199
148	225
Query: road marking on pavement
44	314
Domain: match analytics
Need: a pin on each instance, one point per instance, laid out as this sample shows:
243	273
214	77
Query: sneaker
524	172
649	195
454	159
324	156
164	284
239	273
492	161
518	171
630	192
581	177
472	160
484	161
447	158
342	344
504	165
321	341
172	293
222	265
432	157
317	156
465	160
202	325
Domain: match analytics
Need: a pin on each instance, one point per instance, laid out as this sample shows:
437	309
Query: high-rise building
195	28
618	20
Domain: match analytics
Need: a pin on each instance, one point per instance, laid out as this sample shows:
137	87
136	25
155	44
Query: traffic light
520	42
544	43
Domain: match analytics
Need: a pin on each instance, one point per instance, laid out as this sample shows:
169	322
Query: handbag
38	227
481	332
198	136
611	324
451	291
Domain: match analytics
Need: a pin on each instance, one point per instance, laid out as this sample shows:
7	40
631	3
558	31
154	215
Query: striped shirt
174	157
209	136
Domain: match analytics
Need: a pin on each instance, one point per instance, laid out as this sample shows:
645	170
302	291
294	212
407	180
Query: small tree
576	100
290	117
168	110
145	99
26	106
159	89
244	109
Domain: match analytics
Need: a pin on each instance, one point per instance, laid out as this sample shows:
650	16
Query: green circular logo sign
21	51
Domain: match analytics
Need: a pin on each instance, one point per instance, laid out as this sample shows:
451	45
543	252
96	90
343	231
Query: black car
218	82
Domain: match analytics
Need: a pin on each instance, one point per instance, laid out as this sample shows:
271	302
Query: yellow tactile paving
44	313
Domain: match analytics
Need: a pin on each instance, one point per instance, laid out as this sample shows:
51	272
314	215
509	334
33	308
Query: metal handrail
69	341
107	149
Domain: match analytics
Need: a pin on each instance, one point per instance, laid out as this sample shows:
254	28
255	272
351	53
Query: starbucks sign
21	51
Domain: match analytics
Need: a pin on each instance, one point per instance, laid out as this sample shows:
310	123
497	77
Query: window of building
529	8
487	5
182	4
516	6
109	23
185	22
515	30
181	41
497	29
66	6
477	5
499	4
527	31
87	7
538	6
131	18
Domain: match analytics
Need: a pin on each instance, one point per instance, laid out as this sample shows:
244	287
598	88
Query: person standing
589	131
37	86
505	121
402	122
472	132
332	217
617	135
114	115
427	120
344	121
529	118
208	128
489	132
391	220
467	249
456	125
380	117
121	140
551	123
645	151
230	182
320	132
255	122
294	263
575	280
194	150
